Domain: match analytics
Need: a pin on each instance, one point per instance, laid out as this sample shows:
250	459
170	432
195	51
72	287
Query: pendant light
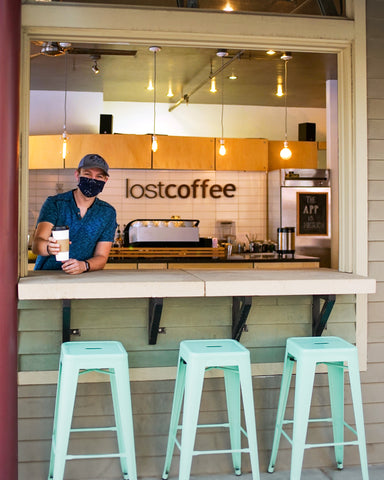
222	149
213	81
285	152
65	135
154	50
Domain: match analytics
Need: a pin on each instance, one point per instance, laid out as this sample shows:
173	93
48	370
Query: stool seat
78	358
338	355
195	357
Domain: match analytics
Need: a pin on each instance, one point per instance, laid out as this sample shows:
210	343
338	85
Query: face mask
90	187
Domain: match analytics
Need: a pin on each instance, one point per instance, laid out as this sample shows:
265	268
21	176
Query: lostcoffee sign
197	189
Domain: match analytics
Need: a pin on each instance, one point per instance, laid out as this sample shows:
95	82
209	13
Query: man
91	221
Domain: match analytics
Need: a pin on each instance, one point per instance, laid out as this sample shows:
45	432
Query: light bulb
64	150
222	149
154	143
271	52
228	8
170	93
150	85
279	91
213	85
285	153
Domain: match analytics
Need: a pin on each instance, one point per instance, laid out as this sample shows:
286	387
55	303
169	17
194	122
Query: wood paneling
250	154
45	151
184	153
304	155
120	151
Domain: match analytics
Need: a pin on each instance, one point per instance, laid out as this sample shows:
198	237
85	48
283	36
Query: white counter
51	285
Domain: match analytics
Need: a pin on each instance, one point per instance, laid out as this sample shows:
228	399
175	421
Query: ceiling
187	71
125	70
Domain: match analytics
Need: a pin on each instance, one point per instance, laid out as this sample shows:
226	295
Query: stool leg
336	393
65	401
282	404
121	396
249	414
305	374
193	389
232	392
354	377
175	415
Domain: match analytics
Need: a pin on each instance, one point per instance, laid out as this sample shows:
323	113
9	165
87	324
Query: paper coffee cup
61	234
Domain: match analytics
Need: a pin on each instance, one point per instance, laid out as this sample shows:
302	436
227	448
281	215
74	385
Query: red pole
10	17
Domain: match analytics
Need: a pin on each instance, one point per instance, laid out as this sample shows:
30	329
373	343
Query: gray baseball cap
92	160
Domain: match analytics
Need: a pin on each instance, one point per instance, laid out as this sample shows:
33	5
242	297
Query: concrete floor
376	472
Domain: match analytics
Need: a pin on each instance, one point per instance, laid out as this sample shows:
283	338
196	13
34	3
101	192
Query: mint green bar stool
337	355
195	357
79	358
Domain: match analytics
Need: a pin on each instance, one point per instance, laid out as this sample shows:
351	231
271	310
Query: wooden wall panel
249	154
304	155
184	153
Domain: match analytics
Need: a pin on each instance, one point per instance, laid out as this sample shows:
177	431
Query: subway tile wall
247	208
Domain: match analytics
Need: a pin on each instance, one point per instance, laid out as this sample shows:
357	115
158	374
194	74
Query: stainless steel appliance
301	198
167	232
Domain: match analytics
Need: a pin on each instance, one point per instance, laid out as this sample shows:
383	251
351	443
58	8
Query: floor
376	472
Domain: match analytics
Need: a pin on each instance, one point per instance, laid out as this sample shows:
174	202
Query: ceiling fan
55	49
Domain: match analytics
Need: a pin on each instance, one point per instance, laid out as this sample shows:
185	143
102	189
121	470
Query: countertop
50	285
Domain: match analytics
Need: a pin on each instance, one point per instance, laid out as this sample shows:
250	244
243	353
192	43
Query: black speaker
307	132
106	123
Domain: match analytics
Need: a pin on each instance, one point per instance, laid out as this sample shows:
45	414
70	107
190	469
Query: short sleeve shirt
97	225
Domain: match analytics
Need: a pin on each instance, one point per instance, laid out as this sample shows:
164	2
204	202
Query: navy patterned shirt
97	225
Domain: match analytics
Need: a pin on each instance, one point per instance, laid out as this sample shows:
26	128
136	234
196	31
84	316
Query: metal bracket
320	317
66	331
155	309
240	310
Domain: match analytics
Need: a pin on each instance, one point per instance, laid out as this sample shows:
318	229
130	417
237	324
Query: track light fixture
95	68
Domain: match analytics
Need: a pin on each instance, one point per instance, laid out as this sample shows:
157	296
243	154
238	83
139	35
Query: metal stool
78	358
308	352
196	356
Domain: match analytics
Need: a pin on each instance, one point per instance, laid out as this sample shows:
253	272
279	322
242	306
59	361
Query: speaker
106	123
307	132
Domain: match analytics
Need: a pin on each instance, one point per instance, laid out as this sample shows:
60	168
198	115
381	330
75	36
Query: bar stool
307	352
78	358
195	357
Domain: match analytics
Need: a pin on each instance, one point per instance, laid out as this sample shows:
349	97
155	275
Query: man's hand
74	267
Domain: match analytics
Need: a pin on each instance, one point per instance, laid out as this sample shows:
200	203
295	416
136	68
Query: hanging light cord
65	95
154	93
222	100
285	96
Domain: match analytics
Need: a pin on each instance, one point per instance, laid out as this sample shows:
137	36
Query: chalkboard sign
312	213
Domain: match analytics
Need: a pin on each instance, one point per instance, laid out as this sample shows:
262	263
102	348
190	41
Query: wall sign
197	189
312	213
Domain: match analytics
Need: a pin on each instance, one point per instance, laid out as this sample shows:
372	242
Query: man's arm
97	262
43	242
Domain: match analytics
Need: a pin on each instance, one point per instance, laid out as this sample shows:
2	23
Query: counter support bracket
66	334
155	309
240	310
320	317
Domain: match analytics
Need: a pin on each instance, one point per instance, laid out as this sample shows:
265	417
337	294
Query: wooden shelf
166	252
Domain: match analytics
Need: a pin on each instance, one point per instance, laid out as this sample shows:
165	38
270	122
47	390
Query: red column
9	122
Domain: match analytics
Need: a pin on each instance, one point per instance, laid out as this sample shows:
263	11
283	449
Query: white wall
84	109
247	208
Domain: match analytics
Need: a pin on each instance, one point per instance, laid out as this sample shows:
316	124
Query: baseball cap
92	160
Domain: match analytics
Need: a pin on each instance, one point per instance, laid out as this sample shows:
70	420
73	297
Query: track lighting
95	68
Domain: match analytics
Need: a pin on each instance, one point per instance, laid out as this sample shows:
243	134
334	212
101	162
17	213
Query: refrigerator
301	198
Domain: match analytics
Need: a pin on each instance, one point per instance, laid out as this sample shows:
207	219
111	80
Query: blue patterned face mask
90	187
